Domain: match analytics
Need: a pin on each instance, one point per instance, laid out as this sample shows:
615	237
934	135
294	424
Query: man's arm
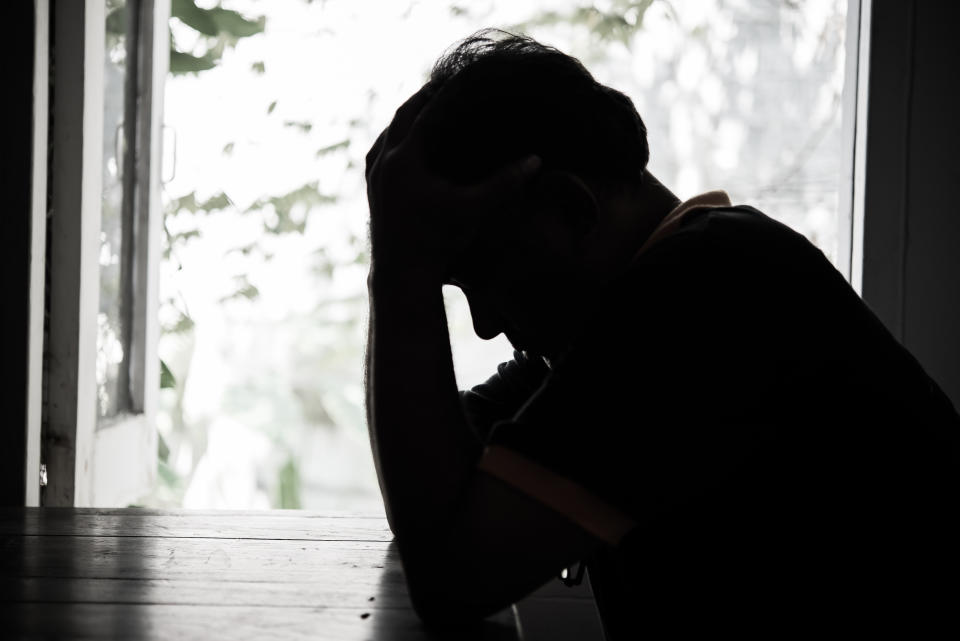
470	544
421	444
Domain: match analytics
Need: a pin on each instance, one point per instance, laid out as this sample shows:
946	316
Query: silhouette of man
699	407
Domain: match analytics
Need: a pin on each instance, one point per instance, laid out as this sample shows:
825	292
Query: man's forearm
421	445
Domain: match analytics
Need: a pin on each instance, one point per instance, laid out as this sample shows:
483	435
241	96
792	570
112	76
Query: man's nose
486	322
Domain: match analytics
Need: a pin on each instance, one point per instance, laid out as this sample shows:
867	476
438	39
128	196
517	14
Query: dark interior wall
932	327
911	274
16	47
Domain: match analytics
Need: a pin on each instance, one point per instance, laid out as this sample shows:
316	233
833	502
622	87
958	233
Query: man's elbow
445	608
444	596
442	608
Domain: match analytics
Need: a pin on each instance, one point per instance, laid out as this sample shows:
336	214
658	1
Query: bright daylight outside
270	108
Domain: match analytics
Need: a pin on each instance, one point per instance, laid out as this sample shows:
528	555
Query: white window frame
854	143
38	233
90	462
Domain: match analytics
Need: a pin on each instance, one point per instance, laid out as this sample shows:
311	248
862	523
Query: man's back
783	456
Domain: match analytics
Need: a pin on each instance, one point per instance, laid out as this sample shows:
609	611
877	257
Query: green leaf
246	250
258	67
245	289
184	324
603	25
289	486
167	380
181	63
163	450
273	105
307	195
303	125
337	146
117	21
189	203
168	477
183	236
219	28
233	23
249	291
215	202
227	149
194	17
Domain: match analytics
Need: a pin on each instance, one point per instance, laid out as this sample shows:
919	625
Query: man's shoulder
722	288
736	250
741	227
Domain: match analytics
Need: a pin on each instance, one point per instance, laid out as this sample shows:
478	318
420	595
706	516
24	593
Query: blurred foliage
217	28
243	288
303	126
325	335
288	488
212	31
303	198
617	23
337	146
190	203
167	380
116	24
181	325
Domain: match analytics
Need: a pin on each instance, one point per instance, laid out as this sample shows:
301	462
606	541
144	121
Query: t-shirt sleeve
637	417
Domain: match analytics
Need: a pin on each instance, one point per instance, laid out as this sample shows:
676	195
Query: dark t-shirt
785	461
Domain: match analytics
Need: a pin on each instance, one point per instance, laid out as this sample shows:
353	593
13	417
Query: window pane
111	343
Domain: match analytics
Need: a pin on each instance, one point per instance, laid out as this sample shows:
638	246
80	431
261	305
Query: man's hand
420	221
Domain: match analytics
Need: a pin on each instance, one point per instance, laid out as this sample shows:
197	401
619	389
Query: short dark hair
501	96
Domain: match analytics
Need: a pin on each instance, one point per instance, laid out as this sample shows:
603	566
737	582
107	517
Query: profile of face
527	275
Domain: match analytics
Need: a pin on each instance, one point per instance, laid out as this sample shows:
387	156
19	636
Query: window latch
571	579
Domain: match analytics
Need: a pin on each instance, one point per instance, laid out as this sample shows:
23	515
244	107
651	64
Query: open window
107	64
108	60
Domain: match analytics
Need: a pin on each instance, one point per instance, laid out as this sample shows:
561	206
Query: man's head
501	97
498	98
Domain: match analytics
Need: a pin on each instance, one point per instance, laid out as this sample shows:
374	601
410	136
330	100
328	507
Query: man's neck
632	217
653	202
629	220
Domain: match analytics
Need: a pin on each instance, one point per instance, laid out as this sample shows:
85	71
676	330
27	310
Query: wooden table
149	574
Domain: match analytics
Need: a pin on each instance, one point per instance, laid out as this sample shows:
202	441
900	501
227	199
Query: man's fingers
374	152
508	181
406	115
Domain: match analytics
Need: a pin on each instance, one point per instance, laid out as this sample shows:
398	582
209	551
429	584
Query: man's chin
531	351
531	346
521	345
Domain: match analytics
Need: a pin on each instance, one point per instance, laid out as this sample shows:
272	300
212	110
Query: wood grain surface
146	574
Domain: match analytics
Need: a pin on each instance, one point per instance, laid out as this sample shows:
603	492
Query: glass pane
110	332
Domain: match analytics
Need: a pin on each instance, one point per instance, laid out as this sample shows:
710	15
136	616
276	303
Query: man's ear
567	196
